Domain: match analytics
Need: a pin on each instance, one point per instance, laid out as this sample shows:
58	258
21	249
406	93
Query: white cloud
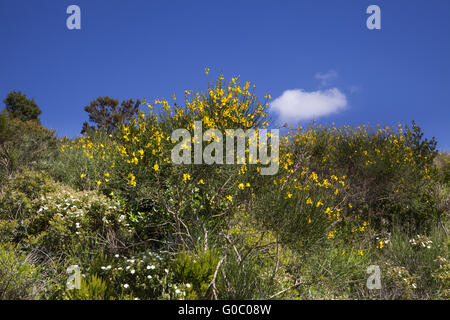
326	77
297	104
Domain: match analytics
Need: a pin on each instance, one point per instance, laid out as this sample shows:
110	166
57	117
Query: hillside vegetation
140	227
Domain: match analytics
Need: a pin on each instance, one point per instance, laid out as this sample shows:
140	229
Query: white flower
116	256
166	270
133	271
188	285
177	291
149	277
126	285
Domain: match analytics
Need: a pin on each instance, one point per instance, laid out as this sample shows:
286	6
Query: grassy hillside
140	227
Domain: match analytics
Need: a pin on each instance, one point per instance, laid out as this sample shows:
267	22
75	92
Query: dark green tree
18	106
106	114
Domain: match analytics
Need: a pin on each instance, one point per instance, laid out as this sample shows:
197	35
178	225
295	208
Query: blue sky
145	49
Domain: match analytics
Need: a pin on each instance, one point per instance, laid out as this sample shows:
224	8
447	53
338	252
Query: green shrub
95	288
196	270
442	162
19	279
54	216
441	276
389	172
335	272
25	145
398	283
144	276
19	191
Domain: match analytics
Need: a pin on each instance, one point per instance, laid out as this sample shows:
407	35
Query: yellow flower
319	203
381	245
206	70
134	160
289	195
247	185
331	234
229	198
82	175
131	180
313	176
309	201
99	182
107	174
156	167
186	177
350	205
360	253
201	181
309	220
241	186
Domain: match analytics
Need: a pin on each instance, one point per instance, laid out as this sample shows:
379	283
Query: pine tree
18	106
